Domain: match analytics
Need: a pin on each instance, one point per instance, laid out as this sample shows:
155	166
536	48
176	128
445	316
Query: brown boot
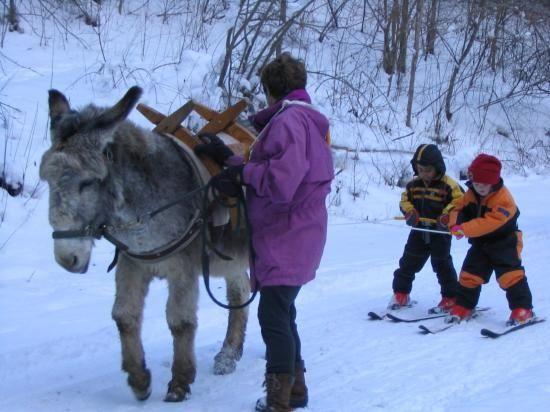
298	394
277	387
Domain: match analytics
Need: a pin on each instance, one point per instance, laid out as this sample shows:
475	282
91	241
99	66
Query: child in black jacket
426	203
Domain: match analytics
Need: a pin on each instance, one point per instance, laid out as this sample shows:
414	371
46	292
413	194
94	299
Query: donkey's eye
85	184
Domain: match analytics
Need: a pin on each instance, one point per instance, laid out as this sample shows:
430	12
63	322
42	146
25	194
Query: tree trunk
227	57
13	18
364	16
403	37
474	21
431	32
390	36
417	34
500	18
282	17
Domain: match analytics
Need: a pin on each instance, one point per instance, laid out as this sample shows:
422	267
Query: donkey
104	171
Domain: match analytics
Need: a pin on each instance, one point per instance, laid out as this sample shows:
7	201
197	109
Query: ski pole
441	232
426	220
422	219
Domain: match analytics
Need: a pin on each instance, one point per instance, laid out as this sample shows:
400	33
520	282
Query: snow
59	348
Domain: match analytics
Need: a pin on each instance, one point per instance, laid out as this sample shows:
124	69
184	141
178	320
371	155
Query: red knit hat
485	169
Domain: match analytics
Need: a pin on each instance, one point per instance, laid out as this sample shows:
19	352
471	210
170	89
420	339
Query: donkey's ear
121	110
58	103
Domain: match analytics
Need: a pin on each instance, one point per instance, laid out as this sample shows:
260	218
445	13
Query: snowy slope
59	348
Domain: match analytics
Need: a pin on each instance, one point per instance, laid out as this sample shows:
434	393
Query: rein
205	257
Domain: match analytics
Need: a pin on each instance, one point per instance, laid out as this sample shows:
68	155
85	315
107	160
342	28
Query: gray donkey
105	172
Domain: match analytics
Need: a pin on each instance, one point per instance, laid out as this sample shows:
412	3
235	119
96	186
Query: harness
107	231
197	225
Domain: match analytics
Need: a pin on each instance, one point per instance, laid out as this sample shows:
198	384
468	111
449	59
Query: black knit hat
428	155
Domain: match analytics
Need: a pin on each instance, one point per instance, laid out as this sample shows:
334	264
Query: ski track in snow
59	348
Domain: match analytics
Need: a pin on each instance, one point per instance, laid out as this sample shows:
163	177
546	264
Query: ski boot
519	316
458	313
399	300
444	306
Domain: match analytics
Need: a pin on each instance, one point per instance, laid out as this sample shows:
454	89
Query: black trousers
503	256
277	317
419	247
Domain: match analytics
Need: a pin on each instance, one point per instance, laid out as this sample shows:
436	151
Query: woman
287	179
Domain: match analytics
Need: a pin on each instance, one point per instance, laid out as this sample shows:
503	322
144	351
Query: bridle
107	231
197	225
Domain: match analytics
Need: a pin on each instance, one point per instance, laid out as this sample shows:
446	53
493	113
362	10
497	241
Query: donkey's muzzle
73	255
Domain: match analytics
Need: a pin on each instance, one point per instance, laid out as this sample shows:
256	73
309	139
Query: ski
425	330
376	316
492	334
433	330
394	318
381	316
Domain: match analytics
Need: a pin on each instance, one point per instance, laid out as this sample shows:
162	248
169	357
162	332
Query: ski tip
489	333
393	318
374	316
424	330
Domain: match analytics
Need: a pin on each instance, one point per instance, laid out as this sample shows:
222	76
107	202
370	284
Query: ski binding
433	330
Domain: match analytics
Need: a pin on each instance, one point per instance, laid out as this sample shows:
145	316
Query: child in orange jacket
487	215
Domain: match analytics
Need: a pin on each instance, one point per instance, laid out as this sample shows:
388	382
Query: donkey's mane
133	141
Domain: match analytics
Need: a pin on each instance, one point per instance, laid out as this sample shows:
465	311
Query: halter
198	224
106	231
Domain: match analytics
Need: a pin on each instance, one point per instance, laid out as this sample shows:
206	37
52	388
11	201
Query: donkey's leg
238	290
132	283
181	313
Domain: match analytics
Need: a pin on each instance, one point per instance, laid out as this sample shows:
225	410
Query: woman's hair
283	75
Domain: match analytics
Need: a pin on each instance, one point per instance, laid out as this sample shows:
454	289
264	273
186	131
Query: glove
443	221
215	148
457	231
229	181
412	218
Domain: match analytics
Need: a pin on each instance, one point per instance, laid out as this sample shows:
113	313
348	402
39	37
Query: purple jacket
288	178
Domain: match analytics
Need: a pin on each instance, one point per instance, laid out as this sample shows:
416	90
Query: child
426	202
487	215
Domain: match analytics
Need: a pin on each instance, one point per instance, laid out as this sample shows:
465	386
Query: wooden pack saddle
224	124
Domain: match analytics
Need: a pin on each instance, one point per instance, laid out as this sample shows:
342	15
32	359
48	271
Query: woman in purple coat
287	180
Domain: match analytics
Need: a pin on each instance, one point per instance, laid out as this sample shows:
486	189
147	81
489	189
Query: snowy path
59	348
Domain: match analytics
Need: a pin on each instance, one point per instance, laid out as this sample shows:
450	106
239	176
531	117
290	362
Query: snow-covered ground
59	348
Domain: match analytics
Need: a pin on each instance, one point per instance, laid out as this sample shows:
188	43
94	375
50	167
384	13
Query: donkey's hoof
142	395
224	362
141	386
177	392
